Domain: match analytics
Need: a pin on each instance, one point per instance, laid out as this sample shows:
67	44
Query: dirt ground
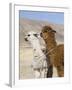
26	57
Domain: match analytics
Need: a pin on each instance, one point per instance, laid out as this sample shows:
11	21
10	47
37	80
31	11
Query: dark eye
45	31
28	34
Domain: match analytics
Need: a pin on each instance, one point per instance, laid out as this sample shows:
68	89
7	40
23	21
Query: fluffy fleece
54	52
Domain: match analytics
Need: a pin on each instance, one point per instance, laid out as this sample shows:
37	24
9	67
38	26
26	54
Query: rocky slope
27	25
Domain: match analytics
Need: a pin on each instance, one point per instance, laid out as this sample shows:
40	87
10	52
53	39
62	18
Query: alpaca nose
25	39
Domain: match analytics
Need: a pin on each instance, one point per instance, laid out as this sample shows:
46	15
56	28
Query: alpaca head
30	36
47	32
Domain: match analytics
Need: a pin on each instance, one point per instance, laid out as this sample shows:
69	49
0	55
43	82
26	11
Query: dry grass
26	57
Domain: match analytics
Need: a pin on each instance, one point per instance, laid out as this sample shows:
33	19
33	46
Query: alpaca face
31	36
44	34
47	32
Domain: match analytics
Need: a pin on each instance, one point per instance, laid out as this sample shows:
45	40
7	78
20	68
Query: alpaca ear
41	34
35	35
53	31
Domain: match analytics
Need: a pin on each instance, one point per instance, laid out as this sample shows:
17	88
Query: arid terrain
25	49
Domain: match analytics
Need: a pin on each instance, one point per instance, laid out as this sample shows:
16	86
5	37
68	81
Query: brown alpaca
54	52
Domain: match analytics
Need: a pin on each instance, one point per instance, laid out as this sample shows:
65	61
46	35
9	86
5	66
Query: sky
54	17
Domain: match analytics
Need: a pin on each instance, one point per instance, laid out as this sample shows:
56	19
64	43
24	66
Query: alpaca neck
50	43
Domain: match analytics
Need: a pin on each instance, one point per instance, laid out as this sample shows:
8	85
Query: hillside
27	25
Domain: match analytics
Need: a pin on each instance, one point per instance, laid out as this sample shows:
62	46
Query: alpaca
39	63
55	52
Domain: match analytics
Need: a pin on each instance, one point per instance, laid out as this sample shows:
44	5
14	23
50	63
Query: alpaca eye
45	31
28	34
